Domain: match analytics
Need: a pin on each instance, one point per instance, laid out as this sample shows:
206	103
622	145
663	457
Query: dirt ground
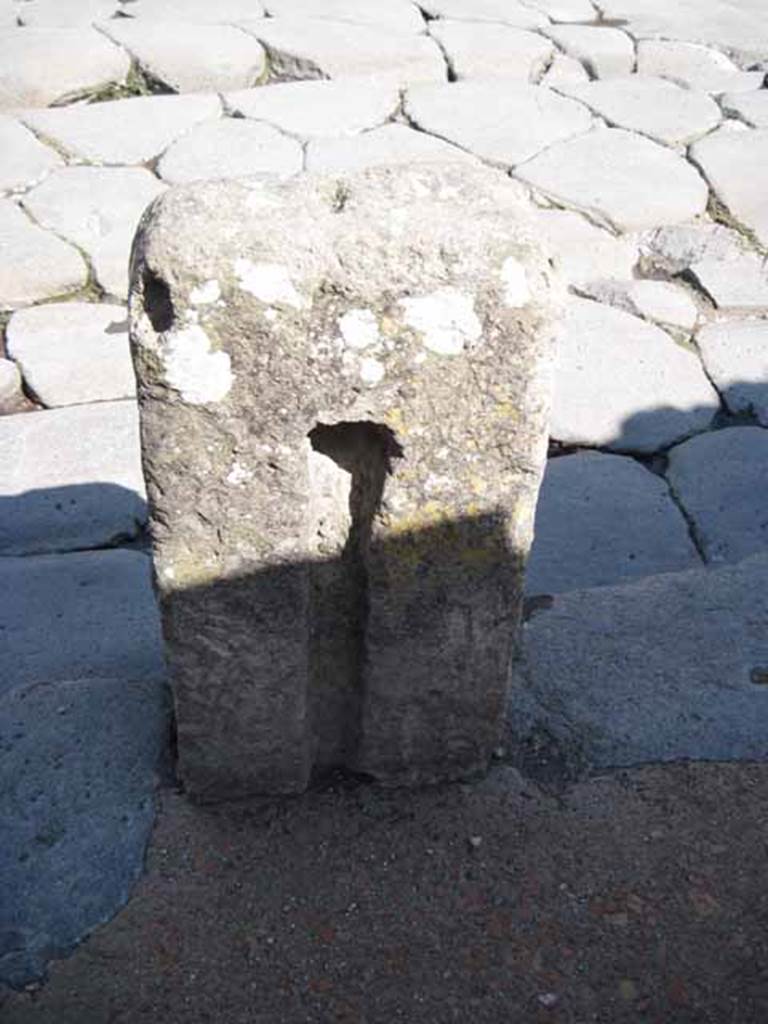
638	896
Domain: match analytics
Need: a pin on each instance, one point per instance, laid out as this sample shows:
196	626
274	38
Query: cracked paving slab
624	384
620	178
129	131
318	109
230	148
98	209
482	49
26	161
605	52
694	66
506	124
735	355
721	480
42	66
390	144
34	264
70	478
602	519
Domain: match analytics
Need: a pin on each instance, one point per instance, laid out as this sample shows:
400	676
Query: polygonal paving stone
507	12
390	144
65	13
130	131
95	612
191	58
391	15
481	49
80	763
314	48
601	519
721	480
624	384
605	52
506	124
70	478
651	106
25	160
739	27
43	66
198	12
584	252
73	352
230	148
564	71
34	264
98	209
663	302
318	109
659	669
671	250
730	161
735	354
737	283
619	177
693	65
750	106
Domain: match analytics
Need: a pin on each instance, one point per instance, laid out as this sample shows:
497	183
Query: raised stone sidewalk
639	128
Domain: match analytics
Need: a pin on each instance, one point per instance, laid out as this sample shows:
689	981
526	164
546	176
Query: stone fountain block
344	387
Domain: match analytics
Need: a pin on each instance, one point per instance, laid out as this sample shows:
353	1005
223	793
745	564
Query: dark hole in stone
157	302
339	586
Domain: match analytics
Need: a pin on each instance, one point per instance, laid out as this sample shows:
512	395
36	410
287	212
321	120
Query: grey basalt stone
344	392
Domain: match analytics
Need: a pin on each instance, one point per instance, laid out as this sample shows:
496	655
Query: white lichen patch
359	328
446	318
517	291
371	371
205	293
238	474
268	282
192	368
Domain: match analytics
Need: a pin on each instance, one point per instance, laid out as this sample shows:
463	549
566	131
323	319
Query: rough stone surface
624	384
735	354
672	250
661	301
738	282
671	665
96	610
721	479
728	160
25	160
507	12
70	478
486	50
73	352
43	66
230	148
652	106
695	66
507	126
390	15
751	107
191	58
10	386
318	109
130	131
602	519
583	252
605	52
360	421
390	144
97	209
79	768
34	264
618	177
315	48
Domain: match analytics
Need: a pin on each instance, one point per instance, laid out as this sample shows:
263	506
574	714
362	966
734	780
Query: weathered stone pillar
344	389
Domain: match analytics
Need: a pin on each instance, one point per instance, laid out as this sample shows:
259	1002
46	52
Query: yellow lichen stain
395	420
